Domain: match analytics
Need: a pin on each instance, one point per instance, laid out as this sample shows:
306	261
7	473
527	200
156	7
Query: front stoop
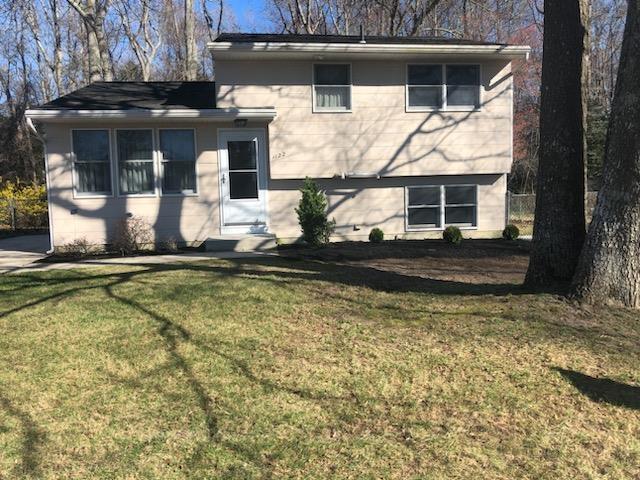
241	243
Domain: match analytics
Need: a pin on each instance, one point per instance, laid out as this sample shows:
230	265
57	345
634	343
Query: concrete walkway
21	254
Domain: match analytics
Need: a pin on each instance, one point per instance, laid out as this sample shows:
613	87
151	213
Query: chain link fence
23	214
521	209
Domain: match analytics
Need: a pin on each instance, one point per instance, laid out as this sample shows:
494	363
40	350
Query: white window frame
445	107
154	162
442	206
162	161
74	172
316	109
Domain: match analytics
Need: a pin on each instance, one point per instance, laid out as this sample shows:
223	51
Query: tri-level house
406	134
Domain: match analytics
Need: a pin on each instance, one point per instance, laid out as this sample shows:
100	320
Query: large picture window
135	162
438	206
443	87
178	161
332	87
91	162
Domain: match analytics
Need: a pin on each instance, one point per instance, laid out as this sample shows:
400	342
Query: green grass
288	369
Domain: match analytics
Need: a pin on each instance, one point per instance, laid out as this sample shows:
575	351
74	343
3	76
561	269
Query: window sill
138	195
315	110
178	195
80	196
437	229
422	110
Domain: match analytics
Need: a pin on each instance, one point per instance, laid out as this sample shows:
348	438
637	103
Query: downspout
32	127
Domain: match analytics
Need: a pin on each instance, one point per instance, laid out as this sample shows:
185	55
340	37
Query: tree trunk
191	67
609	268
559	226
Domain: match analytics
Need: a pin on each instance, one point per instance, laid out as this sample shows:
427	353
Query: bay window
178	160
439	206
331	87
91	162
135	161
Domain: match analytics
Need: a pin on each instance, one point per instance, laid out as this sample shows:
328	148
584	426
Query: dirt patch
474	261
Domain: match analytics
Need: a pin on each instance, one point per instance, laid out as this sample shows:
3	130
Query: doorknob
224	178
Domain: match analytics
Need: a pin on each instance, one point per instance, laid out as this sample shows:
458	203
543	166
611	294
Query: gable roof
313	38
137	96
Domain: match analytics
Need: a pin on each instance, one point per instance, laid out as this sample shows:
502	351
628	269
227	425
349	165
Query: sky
249	15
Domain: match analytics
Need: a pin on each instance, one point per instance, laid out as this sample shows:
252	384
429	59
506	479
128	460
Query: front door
243	181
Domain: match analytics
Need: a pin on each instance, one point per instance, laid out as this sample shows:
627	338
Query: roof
308	38
137	96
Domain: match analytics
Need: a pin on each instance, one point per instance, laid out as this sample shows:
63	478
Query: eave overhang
238	50
209	115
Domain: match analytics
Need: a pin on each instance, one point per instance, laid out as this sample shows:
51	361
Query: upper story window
178	161
331	87
135	161
443	87
91	162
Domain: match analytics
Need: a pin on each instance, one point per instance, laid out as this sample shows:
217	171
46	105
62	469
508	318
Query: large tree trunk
609	268
559	227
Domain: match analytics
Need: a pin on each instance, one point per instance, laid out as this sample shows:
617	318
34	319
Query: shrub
80	247
510	232
169	244
131	235
376	235
29	202
312	215
452	235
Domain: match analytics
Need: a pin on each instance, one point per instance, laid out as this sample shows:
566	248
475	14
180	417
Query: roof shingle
137	95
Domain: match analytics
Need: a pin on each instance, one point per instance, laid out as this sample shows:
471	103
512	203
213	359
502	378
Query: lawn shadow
603	389
32	438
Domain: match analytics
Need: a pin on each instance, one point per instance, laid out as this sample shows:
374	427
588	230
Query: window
135	161
423	207
463	86
424	87
91	162
243	169
442	87
460	205
178	161
435	206
332	87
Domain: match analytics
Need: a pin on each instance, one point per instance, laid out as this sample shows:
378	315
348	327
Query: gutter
42	140
212	114
510	51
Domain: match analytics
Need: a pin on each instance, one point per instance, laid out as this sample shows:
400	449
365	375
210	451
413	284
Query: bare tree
609	268
93	13
139	20
559	225
191	55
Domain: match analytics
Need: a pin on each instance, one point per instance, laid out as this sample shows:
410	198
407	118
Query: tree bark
559	226
609	268
191	67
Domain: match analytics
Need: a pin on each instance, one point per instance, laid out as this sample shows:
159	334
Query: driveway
20	252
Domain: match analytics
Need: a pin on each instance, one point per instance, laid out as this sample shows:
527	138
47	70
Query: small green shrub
452	235
312	215
510	232
376	235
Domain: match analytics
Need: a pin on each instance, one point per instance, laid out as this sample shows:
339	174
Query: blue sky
249	14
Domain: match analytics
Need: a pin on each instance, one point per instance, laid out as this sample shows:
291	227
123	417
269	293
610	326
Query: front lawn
297	368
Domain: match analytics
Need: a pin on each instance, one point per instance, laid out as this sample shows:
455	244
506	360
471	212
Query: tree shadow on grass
32	438
603	389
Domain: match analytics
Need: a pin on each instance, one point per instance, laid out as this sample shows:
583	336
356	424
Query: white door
243	181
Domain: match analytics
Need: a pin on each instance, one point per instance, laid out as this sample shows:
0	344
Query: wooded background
51	47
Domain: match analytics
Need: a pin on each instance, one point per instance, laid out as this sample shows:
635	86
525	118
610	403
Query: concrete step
241	243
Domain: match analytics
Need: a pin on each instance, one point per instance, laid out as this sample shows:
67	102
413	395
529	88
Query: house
405	134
